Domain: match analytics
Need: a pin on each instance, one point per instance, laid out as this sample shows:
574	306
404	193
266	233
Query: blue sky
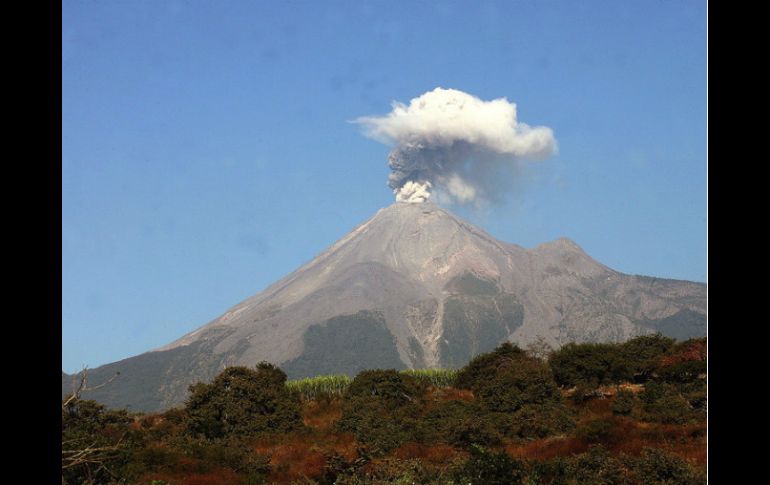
207	149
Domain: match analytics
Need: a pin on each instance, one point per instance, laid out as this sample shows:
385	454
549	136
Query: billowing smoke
455	146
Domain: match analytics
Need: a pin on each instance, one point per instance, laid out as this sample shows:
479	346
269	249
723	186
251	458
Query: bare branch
77	390
81	387
103	383
91	454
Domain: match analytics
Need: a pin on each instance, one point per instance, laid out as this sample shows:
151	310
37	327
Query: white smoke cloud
413	192
455	143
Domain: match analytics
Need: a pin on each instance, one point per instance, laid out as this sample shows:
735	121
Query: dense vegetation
630	413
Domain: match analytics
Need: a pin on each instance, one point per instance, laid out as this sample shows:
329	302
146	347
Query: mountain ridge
417	282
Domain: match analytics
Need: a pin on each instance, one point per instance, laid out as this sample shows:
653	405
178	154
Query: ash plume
456	147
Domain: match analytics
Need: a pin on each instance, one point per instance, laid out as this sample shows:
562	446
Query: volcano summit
412	287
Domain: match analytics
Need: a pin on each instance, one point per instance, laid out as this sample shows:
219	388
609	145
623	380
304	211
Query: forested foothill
622	413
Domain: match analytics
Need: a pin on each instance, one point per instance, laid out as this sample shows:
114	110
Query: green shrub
552	472
394	471
487	364
509	382
596	430
392	387
589	364
695	394
584	391
243	402
595	364
382	409
527	391
232	453
529	381
86	417
641	354
175	416
489	468
378	424
623	403
663	403
682	372
670	409
533	421
459	423
596	467
656	467
152	458
341	471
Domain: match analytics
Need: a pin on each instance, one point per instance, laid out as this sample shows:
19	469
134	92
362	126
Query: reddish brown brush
599	406
694	451
687	441
322	415
437	454
548	448
343	444
625	435
451	394
295	460
693	351
214	477
299	456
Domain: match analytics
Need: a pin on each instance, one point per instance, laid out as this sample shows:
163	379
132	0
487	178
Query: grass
314	387
438	378
335	385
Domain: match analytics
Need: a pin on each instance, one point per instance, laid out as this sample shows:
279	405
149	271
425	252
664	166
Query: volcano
412	287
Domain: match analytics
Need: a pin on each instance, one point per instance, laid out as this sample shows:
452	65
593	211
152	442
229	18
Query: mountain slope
414	286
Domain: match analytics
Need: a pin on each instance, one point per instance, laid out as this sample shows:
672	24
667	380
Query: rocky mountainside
414	286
